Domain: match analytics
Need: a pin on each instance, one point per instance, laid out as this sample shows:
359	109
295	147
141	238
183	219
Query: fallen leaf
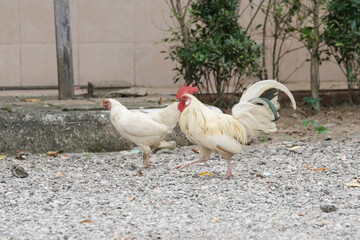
320	224
59	174
152	201
294	148
19	171
32	100
271	181
160	101
272	214
259	175
140	172
315	169
157	190
301	214
195	151
319	169
267	181
64	156
206	173
131	199
2	157
353	183
21	155
51	153
215	219
127	237
87	221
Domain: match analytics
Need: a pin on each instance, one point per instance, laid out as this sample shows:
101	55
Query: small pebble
328	208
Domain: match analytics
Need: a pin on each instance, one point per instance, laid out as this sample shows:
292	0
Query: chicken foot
187	164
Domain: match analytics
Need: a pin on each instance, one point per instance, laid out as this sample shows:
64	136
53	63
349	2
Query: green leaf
312	101
321	129
264	138
306	122
339	44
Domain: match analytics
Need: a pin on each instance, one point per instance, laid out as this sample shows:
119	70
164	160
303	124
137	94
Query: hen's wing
138	124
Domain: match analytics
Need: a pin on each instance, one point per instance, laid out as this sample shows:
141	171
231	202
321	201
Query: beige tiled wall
112	40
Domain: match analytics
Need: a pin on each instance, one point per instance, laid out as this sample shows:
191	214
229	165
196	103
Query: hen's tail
257	108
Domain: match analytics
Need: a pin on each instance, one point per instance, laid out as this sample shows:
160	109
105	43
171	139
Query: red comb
186	89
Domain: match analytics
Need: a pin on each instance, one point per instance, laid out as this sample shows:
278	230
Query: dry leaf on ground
59	174
2	157
315	169
21	155
19	171
195	151
294	148
206	173
131	199
87	221
267	181
64	156
52	153
353	183
32	100
127	237
320	224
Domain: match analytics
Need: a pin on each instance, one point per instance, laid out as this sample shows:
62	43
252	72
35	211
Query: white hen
145	130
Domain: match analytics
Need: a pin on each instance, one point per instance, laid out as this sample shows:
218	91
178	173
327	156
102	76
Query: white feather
145	130
221	133
260	87
256	117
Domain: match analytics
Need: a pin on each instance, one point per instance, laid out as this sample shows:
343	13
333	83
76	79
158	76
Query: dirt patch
300	125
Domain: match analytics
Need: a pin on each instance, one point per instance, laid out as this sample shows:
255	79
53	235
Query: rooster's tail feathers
257	109
272	106
267	89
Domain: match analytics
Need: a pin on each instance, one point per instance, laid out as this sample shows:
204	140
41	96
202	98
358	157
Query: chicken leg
187	164
146	160
228	173
204	155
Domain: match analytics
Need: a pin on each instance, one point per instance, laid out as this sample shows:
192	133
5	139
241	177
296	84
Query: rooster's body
225	134
145	130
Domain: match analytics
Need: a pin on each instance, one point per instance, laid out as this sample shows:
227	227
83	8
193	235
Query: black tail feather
270	93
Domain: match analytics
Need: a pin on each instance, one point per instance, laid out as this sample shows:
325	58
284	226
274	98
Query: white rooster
145	130
225	134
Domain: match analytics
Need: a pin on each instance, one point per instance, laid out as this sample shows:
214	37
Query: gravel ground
278	191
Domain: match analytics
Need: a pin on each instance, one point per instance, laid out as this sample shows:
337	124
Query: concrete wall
113	40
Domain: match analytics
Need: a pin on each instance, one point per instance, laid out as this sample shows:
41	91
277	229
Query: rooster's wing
219	132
